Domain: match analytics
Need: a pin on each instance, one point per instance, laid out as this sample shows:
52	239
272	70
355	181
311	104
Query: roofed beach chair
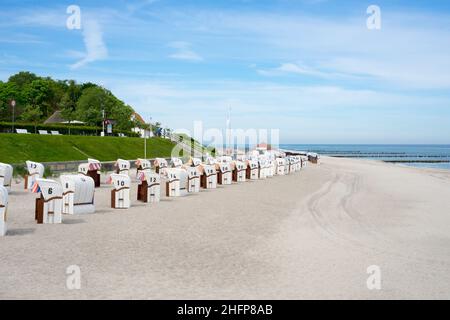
78	194
120	194
142	164
91	169
122	166
280	163
49	205
238	171
224	173
149	187
6	173
172	181
35	170
252	170
3	210
160	165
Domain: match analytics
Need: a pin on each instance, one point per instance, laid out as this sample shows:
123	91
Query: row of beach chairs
74	193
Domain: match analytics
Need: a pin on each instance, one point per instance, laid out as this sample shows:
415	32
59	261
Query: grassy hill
16	148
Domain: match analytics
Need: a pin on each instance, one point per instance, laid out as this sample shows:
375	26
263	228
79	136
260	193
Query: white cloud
184	52
93	41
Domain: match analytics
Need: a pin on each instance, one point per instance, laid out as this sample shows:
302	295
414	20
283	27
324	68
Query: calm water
428	156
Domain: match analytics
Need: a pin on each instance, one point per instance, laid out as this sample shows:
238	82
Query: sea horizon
435	156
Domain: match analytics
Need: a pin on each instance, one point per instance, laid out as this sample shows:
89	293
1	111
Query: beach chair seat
49	205
78	194
120	194
160	165
193	182
252	170
239	171
208	179
122	166
280	162
149	187
6	174
172	181
3	210
91	169
35	170
224	174
176	162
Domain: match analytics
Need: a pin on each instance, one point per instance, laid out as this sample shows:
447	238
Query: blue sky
310	68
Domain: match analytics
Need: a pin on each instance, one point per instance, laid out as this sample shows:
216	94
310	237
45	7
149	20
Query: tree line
37	98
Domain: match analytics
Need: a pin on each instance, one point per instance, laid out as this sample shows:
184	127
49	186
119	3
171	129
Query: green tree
33	115
23	78
96	99
69	101
39	94
8	92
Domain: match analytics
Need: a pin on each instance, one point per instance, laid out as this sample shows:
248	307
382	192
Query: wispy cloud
93	41
184	52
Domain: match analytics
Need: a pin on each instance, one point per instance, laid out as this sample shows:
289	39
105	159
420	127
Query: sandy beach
311	234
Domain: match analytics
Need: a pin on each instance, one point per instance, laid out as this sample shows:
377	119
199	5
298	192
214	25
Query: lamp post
103	122
13	105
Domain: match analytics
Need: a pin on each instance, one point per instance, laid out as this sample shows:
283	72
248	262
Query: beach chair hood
35	168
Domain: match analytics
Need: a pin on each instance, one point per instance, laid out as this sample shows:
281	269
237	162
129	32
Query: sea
425	156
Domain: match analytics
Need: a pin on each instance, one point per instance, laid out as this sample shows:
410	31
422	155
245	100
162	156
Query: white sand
307	235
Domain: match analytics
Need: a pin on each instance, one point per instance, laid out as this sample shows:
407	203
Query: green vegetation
19	148
37	98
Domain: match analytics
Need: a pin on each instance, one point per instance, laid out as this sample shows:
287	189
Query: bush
76	130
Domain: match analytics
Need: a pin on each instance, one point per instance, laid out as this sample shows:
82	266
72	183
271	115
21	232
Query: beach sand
311	234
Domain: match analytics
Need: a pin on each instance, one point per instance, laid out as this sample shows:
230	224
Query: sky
310	68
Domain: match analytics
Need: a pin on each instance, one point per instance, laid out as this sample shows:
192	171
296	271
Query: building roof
56	117
136	116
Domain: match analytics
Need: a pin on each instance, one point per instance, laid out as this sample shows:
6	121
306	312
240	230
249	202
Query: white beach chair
122	166
149	187
35	171
193	183
143	164
55	133
78	194
43	132
172	179
208	179
280	162
160	165
6	173
120	195
252	172
224	174
91	169
176	162
239	171
304	160
22	131
49	205
3	211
